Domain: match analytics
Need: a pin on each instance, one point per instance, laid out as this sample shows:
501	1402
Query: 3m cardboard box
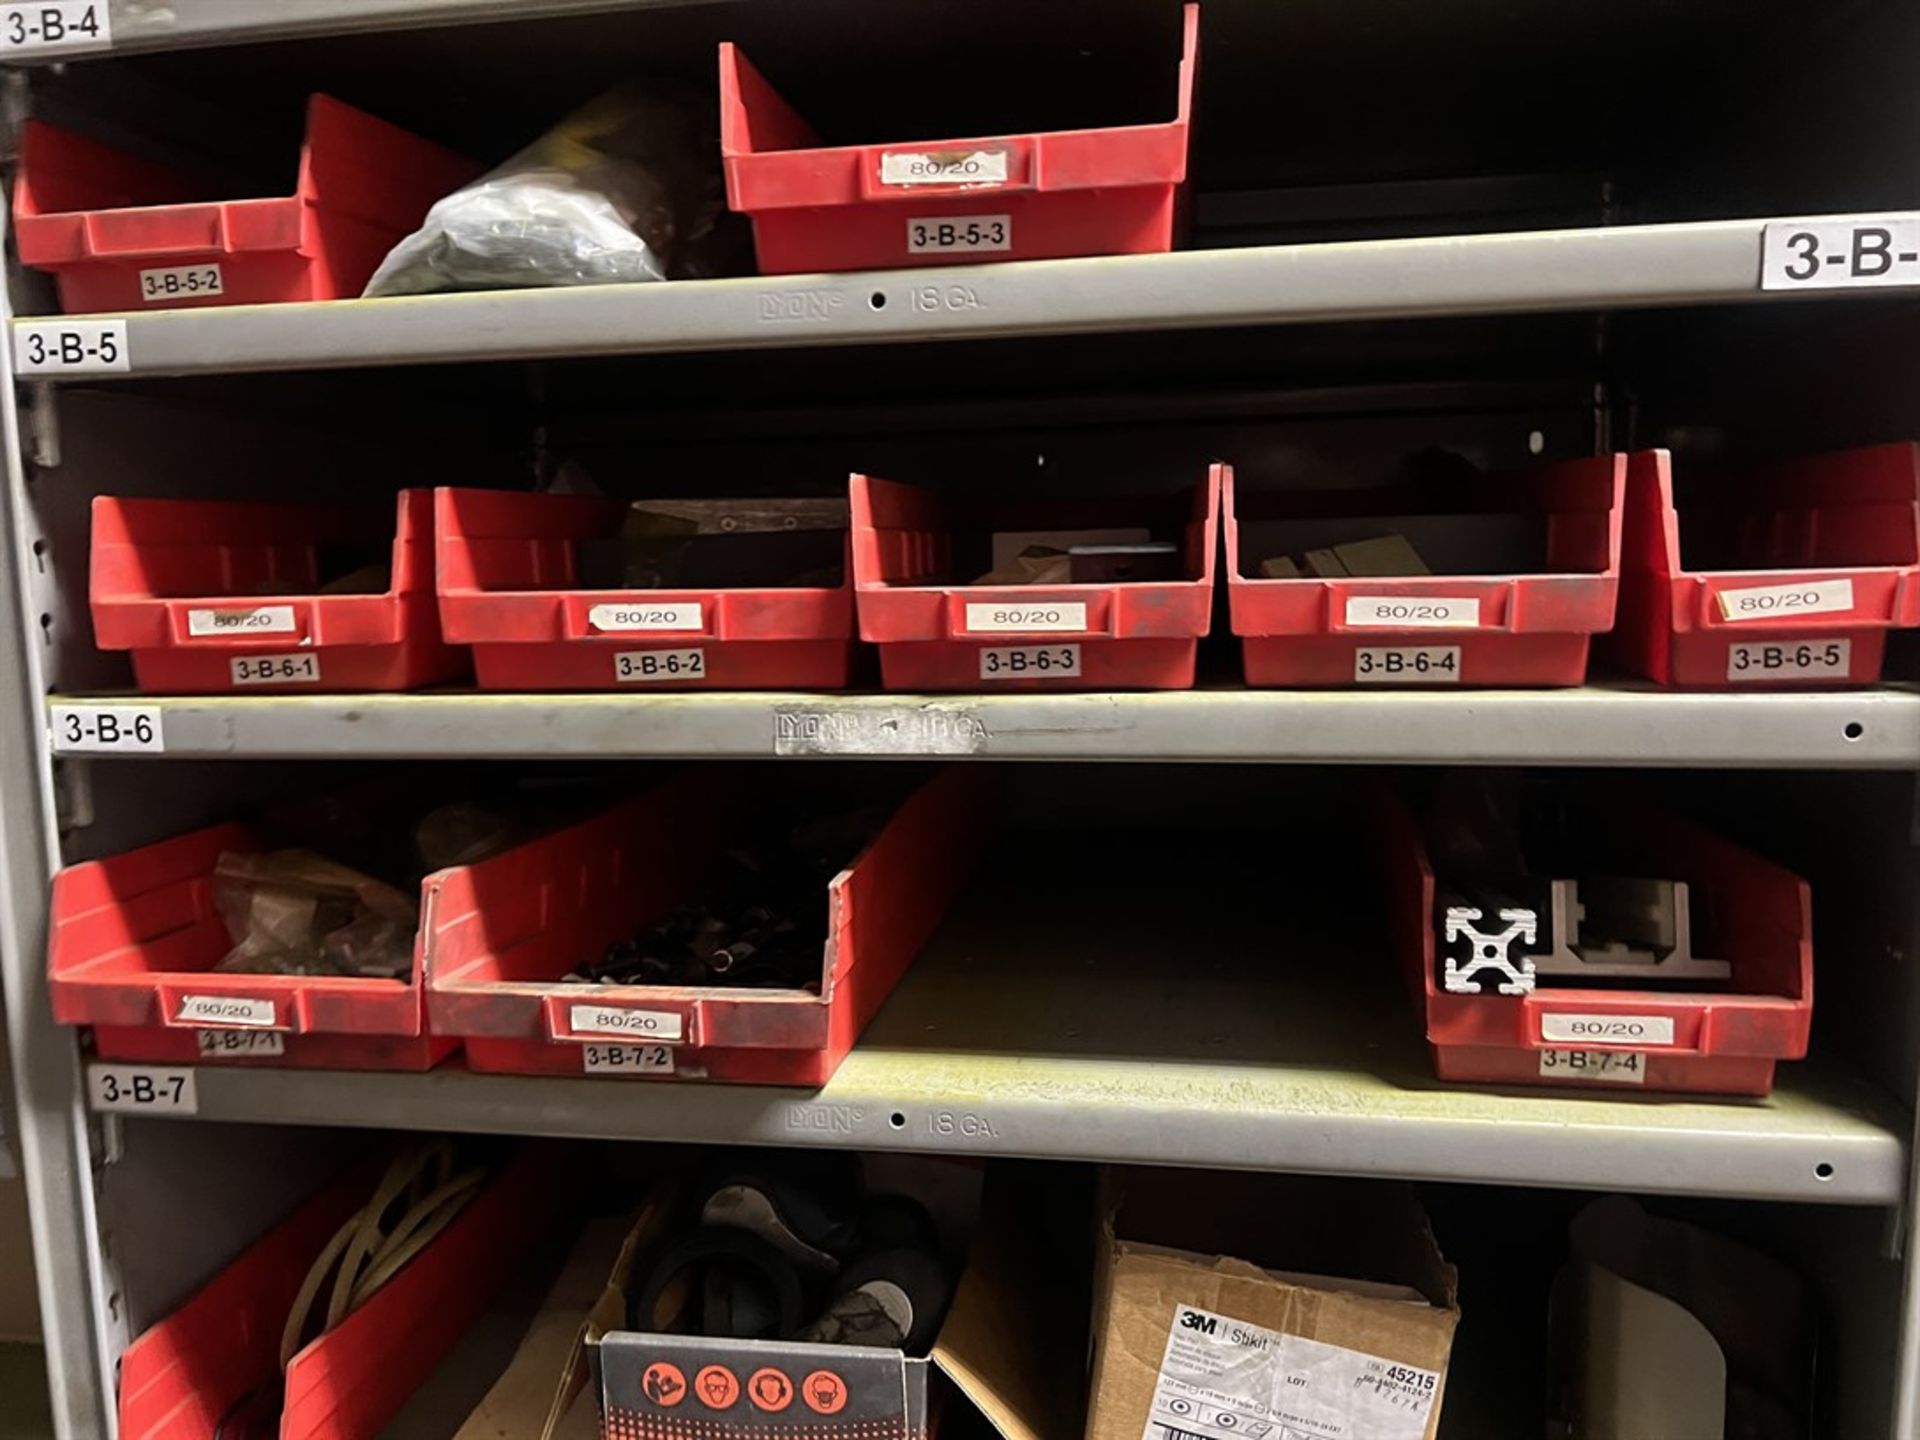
1217	1317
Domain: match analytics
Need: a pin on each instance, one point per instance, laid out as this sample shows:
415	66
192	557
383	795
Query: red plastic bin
122	233
1707	1042
508	578
935	634
1460	627
180	583
1790	575
191	1375
1113	191
132	942
504	931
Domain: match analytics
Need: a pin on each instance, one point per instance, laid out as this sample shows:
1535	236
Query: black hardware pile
760	924
796	1248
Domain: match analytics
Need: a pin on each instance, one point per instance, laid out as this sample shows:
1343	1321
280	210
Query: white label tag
958	234
627	1059
276	669
640	666
683	615
1407	665
85	729
1392	612
55	27
1020	661
214	1044
1608	1029
1816	659
1032	616
1615	1067
180	282
1867	250
247	620
1226	1379
944	167
1775	602
70	347
606	1020
225	1010
142	1089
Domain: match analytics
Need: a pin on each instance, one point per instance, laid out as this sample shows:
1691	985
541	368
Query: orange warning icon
664	1384
824	1392
716	1387
770	1390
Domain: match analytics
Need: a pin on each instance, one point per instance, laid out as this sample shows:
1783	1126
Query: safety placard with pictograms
689	1387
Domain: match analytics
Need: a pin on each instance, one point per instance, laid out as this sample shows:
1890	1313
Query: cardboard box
1206	1342
524	1403
1017	1366
543	1393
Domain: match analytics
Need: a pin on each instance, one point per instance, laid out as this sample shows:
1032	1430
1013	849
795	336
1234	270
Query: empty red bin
1112	191
511	587
938	632
1526	569
212	1367
123	233
134	939
214	596
505	931
1726	1041
1783	575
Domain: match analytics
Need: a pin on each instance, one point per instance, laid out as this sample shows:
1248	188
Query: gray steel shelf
1548	270
1181	1028
1232	1116
1861	730
142	26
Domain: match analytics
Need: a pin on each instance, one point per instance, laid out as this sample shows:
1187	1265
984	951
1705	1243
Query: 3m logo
1194	1320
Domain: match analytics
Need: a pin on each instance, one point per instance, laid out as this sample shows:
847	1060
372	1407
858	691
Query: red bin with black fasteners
215	596
815	206
1779	576
119	232
504	934
1527	568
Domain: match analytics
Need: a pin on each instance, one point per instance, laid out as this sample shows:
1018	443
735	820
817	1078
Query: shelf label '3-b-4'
54	27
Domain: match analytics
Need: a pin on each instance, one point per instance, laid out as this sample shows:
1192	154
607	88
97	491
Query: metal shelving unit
1866	730
1635	267
1654	329
1263	1083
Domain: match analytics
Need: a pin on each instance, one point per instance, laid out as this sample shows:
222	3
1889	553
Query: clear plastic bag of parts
626	188
292	912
